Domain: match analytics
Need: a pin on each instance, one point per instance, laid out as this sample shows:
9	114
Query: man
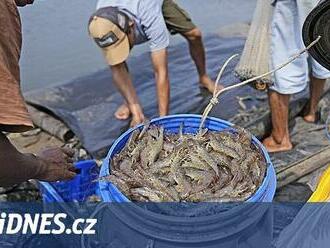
288	19
118	25
15	167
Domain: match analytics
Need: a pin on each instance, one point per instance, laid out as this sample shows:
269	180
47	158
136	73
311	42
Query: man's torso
148	19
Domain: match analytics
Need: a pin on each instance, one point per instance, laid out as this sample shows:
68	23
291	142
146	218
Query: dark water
57	49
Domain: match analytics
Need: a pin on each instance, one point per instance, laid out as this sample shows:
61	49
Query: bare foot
272	146
137	114
207	83
136	120
310	118
309	115
123	112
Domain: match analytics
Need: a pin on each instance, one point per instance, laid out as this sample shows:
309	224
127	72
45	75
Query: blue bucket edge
110	193
49	192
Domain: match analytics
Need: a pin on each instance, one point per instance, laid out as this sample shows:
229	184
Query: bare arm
15	167
124	83
159	60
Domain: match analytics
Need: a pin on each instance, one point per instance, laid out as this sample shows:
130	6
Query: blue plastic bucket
132	225
67	194
110	193
77	189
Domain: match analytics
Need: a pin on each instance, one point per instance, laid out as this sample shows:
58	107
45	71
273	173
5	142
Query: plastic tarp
87	104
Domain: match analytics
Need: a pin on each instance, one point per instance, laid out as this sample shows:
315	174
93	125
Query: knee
193	35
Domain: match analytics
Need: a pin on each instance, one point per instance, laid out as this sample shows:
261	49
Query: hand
22	3
57	164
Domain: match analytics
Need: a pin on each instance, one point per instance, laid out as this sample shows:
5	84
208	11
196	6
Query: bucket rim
106	165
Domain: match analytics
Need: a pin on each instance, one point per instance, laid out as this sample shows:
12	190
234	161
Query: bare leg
279	140
316	90
197	52
124	84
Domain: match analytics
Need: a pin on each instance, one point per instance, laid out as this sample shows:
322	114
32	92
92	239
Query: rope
220	74
214	101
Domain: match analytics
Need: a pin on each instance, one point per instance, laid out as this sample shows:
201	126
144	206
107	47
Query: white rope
214	101
221	72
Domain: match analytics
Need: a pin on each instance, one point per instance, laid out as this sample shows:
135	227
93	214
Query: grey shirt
149	21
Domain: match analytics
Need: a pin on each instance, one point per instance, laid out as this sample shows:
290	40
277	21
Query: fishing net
255	57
